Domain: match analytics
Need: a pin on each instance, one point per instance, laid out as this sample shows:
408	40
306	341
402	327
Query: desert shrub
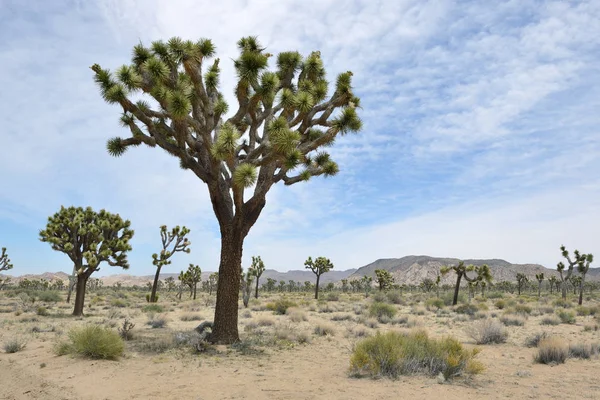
42	311
482	307
296	314
494	295
562	303
155	344
380	297
49	296
469	309
522	309
92	341
157	321
341	317
591	328
534	341
379	310
247	314
191	317
583	311
434	304
550	320
148	297
265	321
328	308
280	306
418	311
395	297
449	297
566	316
509	320
371	323
125	329
332	297
324	329
152	308
393	354
118	303
13	345
552	350
358	331
584	351
303	337
546	310
114	314
487	332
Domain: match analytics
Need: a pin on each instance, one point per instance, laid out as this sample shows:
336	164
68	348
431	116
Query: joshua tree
540	279
172	242
270	285
5	263
553	281
194	275
583	268
282	121
213	282
257	268
384	279
88	238
344	285
366	282
320	266
582	261
427	285
482	272
182	283
170	283
521	281
246	286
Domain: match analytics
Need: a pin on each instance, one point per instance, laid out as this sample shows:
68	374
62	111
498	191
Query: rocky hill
413	269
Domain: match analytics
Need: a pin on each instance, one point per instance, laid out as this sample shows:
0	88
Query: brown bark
153	298
80	294
256	291
317	287
456	289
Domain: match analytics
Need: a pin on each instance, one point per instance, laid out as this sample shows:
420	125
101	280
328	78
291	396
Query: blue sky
481	129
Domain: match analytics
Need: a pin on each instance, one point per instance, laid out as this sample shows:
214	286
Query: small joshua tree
553	281
521	281
193	276
257	268
319	266
170	283
366	281
540	279
582	261
482	272
246	285
173	241
384	279
583	268
213	280
88	238
5	263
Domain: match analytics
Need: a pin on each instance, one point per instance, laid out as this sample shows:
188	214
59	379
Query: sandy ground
317	370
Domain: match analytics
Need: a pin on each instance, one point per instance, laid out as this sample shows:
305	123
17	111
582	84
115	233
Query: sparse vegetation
488	331
552	350
14	345
92	341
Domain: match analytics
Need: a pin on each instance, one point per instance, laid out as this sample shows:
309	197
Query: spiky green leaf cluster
244	175
227	138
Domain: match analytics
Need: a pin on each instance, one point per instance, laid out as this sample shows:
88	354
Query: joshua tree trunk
540	289
72	282
564	291
581	290
456	289
256	291
80	294
153	298
317	287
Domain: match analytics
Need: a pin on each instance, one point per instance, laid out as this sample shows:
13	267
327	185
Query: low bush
265	321
395	297
509	320
584	351
13	345
42	311
393	354
550	320
332	297
434	304
534	341
324	329
152	308
49	296
523	309
449	298
296	314
566	316
280	306
92	341
562	303
157	321
118	303
191	317
468	309
341	317
379	310
487	331
552	350
591	328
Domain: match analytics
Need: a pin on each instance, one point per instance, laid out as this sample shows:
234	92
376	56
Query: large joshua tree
172	242
88	238
582	261
281	121
482	272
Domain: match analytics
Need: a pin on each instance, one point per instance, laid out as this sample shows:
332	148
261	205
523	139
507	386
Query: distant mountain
413	269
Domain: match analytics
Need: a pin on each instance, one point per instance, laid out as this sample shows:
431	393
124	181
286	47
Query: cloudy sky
481	129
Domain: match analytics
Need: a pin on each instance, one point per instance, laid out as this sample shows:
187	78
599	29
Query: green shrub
382	310
566	316
522	309
118	303
379	297
152	308
583	311
13	345
469	309
332	297
552	351
392	354
508	320
42	311
324	329
434	304
157	321
488	331
550	320
500	304
562	303
49	296
395	297
449	297
92	341
148	297
280	306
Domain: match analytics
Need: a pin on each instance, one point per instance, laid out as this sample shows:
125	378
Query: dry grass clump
265	321
509	320
583	351
341	317
157	321
552	350
324	329
487	331
382	311
13	345
92	341
591	327
550	320
296	314
534	341
393	354
280	306
567	316
191	317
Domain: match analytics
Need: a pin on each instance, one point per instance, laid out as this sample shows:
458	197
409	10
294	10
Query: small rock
441	379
